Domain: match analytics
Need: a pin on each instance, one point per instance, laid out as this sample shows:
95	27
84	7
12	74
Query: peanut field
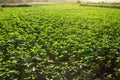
59	42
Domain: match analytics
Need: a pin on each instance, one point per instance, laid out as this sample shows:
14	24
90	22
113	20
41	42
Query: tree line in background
22	1
19	1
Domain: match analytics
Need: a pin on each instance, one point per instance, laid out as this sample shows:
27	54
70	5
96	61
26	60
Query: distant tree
78	1
46	0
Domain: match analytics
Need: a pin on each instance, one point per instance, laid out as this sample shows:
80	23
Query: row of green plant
60	42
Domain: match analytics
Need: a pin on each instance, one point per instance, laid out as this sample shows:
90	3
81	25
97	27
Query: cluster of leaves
60	43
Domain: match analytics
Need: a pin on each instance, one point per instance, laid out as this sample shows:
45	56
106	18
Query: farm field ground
60	42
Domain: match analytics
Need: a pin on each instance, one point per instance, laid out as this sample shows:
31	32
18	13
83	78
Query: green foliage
60	42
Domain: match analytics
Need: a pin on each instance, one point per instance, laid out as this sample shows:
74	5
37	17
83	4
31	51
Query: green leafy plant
59	42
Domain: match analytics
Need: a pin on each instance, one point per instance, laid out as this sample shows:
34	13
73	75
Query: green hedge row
15	5
102	5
